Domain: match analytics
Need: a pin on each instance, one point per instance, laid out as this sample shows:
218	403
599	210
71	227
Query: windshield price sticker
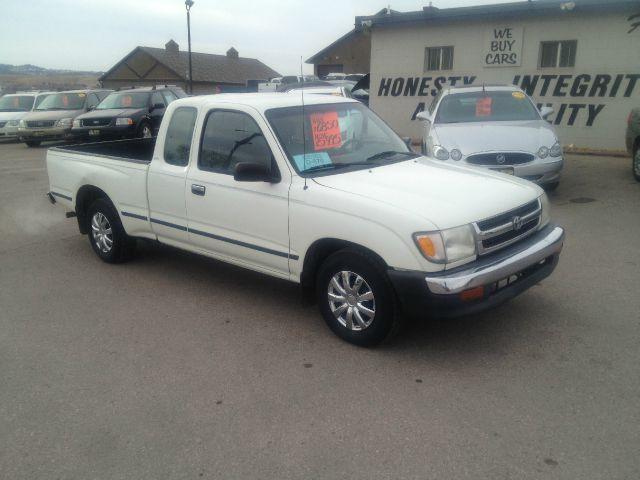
325	128
518	95
127	101
312	160
483	107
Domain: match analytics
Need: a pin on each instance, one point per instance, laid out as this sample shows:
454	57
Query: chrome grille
507	228
500	158
95	122
40	123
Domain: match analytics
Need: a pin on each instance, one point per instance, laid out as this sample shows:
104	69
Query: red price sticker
483	107
127	101
326	130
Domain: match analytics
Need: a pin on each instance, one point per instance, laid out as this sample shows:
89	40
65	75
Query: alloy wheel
102	232
351	300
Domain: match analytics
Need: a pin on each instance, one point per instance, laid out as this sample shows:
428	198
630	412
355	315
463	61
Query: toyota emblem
500	158
517	223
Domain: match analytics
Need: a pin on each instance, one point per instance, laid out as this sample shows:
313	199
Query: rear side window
168	96
177	144
230	138
156	99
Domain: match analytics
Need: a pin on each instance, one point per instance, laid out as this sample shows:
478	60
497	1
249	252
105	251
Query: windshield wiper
390	153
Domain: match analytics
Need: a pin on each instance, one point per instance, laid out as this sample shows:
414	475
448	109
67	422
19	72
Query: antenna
304	133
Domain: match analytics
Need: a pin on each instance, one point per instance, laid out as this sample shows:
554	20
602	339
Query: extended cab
324	194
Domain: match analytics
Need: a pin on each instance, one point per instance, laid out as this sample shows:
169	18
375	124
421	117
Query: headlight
440	152
64	122
456	154
22	124
124	121
543	152
13	123
77	124
545	215
447	246
556	150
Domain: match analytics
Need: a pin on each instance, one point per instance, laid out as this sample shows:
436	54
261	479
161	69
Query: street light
188	4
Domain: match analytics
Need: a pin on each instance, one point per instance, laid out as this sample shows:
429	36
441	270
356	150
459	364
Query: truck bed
136	149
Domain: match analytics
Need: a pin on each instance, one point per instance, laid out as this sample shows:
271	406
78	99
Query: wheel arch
87	194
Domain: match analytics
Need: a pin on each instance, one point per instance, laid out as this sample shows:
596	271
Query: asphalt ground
178	366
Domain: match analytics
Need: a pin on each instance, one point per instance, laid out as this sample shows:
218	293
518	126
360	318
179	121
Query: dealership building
581	57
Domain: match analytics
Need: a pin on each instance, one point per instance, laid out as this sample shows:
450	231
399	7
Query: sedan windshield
16	103
489	106
336	136
125	100
63	101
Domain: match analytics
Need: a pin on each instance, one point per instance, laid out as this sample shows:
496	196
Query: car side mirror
424	115
546	111
253	172
157	106
91	107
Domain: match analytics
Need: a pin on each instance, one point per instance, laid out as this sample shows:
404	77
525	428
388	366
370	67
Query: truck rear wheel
356	298
106	234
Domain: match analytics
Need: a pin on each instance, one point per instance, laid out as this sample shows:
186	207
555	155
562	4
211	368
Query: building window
558	54
438	58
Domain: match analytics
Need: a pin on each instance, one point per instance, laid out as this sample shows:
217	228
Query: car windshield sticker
311	160
325	129
127	100
483	107
518	95
65	100
81	95
16	101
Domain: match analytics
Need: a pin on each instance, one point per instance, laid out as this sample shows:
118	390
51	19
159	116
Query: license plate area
94	132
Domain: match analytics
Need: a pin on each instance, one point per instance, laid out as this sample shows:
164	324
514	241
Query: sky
95	34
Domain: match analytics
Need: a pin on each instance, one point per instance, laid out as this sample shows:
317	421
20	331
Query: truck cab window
156	99
230	138
177	144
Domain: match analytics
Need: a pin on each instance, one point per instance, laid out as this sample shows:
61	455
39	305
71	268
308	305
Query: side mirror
253	172
546	111
424	115
157	106
91	107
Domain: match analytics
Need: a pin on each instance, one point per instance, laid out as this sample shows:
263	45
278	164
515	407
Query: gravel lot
177	366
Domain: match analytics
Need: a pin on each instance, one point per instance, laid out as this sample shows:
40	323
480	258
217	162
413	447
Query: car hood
5	116
444	194
112	112
523	136
52	114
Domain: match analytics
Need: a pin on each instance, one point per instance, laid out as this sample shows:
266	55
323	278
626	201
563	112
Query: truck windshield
16	103
125	100
490	106
335	136
63	101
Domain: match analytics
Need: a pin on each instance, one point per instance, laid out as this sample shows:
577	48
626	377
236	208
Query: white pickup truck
318	191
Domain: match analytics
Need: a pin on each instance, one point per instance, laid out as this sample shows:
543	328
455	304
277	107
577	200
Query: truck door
167	177
242	222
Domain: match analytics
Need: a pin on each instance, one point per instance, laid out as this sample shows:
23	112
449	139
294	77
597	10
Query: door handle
198	189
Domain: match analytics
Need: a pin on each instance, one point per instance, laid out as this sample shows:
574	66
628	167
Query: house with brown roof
148	66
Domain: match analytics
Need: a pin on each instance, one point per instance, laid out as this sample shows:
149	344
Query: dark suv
135	112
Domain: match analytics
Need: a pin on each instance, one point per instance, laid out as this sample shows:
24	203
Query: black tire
551	187
635	163
122	246
33	143
385	322
141	130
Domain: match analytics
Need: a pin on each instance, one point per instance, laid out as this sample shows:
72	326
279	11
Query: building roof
206	67
520	9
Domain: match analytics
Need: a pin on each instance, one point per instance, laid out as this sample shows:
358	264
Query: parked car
337	90
495	127
330	198
354	77
298	79
127	114
53	118
633	141
360	91
335	76
14	107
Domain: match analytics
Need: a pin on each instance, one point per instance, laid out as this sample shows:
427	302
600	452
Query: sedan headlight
13	123
556	150
447	246
22	124
124	121
543	152
545	214
64	122
440	152
77	123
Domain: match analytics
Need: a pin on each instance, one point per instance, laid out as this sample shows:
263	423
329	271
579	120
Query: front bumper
52	133
538	170
9	131
493	279
105	131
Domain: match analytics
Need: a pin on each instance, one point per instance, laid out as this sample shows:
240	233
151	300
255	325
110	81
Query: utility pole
188	4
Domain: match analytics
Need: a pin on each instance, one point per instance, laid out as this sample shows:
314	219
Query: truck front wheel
106	234
356	298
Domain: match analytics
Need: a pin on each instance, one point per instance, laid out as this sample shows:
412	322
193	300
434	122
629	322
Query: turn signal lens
431	246
472	294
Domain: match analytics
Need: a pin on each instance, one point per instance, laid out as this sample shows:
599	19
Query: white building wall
585	116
